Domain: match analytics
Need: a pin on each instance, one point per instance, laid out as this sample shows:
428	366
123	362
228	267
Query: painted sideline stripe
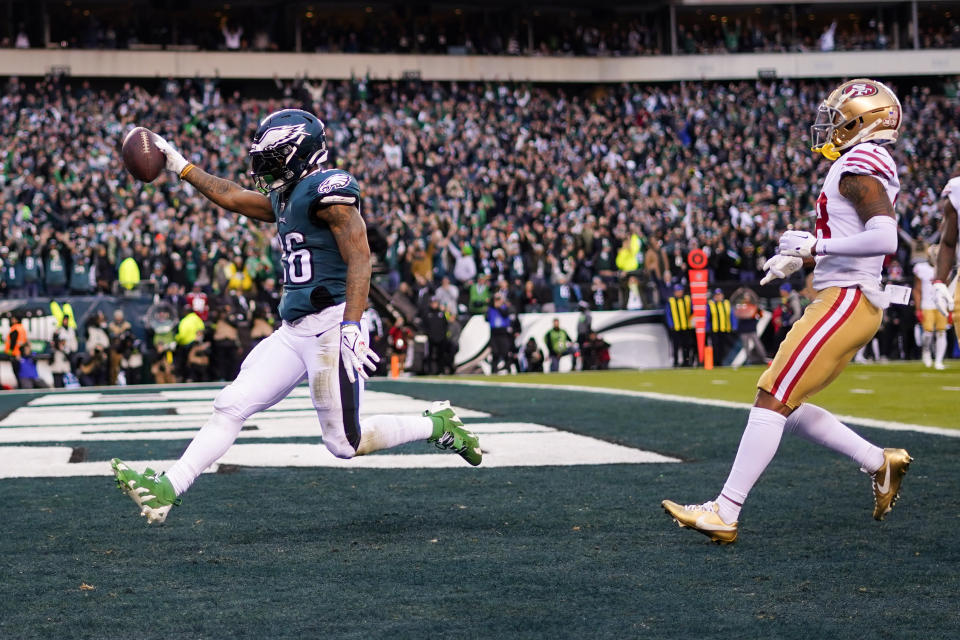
669	397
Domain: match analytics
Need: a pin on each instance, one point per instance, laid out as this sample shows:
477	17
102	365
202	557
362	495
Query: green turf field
578	551
903	392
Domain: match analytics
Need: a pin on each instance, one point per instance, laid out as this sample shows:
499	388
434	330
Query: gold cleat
887	479
702	518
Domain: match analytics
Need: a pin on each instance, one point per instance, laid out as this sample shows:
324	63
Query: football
141	157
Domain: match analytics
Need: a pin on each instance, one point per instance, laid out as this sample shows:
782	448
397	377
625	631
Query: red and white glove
354	352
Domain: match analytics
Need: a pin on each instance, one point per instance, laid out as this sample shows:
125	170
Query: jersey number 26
297	267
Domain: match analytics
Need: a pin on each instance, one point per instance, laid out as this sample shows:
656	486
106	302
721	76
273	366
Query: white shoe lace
710	507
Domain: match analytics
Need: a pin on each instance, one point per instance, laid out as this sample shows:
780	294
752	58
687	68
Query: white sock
758	445
212	441
925	342
818	425
941	347
385	432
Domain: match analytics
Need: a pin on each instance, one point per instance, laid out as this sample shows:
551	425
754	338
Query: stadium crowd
494	30
548	199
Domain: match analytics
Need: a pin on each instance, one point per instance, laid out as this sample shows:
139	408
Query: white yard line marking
652	395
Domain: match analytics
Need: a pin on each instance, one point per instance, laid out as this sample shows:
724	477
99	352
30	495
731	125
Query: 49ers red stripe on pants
818	347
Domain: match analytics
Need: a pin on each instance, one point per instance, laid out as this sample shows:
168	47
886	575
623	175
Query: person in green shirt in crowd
559	344
479	293
55	276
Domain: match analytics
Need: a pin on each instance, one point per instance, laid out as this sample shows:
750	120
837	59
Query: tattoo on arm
231	196
867	195
350	233
211	186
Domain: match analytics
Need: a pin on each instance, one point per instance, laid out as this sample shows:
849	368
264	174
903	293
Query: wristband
187	169
937	282
353	322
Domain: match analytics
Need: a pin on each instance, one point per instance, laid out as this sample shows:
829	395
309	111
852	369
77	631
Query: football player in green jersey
326	264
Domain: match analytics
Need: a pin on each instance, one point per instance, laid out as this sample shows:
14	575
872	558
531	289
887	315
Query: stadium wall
638	339
242	65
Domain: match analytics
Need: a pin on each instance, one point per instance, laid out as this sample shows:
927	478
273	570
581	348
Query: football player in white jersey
947	255
855	228
933	323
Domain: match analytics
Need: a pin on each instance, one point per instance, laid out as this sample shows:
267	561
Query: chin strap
828	150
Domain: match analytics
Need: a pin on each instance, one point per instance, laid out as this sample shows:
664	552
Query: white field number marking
72	417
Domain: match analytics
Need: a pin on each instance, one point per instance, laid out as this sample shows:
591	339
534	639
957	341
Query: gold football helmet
857	111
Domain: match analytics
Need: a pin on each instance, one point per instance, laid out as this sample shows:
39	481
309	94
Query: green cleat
449	433
152	491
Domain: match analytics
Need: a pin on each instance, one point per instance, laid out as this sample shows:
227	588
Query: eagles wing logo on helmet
333	183
278	136
860	90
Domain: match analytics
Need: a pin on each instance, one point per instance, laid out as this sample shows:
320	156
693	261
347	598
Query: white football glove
942	298
797	243
780	267
175	161
354	352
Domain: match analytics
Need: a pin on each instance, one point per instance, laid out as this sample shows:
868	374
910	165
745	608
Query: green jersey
314	272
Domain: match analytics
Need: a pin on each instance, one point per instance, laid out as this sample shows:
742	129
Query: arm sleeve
878	238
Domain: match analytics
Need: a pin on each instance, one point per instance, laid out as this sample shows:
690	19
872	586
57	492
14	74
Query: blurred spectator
679	317
559	344
197	368
786	312
55	274
746	309
720	325
600	352
226	344
97	339
479	295
16	337
532	357
27	375
502	347
436	327
585	337
59	361
400	338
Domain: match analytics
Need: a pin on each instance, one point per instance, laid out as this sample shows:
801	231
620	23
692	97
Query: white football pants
308	349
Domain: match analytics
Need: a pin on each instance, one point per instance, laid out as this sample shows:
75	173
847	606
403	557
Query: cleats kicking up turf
152	492
702	518
887	479
449	433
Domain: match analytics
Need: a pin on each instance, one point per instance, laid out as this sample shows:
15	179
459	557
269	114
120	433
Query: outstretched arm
229	194
222	192
350	233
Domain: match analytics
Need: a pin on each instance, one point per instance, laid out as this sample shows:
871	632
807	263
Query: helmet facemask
283	154
857	111
270	168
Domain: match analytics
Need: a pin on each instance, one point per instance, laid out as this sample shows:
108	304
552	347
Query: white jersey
837	218
952	192
925	273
